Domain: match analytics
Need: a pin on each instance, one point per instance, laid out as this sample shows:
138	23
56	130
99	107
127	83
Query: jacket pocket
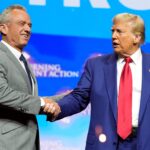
10	126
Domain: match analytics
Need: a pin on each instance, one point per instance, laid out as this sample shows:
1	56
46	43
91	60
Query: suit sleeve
15	99
57	97
79	98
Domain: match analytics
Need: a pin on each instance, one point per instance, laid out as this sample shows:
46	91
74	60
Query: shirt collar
135	57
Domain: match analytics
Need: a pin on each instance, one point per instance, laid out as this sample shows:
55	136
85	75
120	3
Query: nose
114	35
27	28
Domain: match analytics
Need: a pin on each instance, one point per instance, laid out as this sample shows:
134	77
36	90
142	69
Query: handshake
51	108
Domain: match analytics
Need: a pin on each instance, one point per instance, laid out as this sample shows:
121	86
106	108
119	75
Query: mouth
26	36
115	44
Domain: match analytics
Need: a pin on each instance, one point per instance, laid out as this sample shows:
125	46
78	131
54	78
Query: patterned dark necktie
23	59
124	123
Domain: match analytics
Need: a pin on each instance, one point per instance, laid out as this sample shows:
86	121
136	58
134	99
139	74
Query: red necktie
124	124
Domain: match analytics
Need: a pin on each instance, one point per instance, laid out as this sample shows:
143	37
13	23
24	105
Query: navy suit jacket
98	85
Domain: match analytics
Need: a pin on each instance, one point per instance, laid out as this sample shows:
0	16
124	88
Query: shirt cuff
42	101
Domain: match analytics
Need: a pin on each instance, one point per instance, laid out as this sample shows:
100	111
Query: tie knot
22	58
128	60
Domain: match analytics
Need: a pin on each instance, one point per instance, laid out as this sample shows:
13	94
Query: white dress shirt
136	69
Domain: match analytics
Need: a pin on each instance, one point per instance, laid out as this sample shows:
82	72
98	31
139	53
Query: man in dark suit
19	101
117	86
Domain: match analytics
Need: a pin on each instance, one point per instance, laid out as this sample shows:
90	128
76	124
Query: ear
137	39
3	29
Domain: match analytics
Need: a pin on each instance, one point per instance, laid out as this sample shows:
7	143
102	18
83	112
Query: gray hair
136	22
5	15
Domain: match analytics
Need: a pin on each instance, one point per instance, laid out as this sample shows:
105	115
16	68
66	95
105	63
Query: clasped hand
51	107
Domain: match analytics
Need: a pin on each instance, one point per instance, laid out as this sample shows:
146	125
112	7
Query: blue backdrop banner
65	34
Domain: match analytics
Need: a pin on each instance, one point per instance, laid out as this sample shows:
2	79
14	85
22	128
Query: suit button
21	109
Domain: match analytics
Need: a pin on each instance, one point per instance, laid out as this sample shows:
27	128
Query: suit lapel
35	92
111	82
32	74
17	64
145	84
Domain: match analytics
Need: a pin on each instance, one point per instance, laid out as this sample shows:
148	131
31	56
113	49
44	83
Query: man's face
123	39
18	29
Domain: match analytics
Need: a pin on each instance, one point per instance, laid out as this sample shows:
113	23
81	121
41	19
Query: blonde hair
137	23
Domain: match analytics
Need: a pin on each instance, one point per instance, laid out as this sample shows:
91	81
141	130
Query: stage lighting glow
102	138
